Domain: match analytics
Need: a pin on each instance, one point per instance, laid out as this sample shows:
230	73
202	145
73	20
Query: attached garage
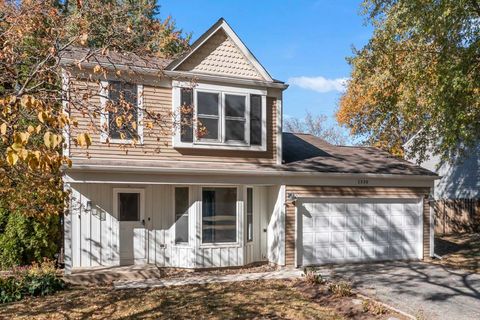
336	230
356	224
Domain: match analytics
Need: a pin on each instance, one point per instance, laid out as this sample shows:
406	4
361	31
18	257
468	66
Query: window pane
207	103
255	120
234	130
186	115
208	128
181	214
129	206
219	215
123	97
234	106
249	214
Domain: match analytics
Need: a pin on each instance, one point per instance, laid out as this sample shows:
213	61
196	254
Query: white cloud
320	84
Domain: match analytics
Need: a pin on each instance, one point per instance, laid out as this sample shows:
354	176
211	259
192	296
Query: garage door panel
322	222
322	239
360	230
337	222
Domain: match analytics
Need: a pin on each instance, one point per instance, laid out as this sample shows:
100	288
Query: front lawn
459	251
272	299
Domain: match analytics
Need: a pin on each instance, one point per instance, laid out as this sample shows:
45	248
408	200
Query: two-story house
240	193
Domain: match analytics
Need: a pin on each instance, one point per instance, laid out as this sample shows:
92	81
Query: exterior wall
92	238
159	100
459	179
365	192
220	56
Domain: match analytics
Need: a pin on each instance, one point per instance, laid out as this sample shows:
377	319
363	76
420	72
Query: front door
132	232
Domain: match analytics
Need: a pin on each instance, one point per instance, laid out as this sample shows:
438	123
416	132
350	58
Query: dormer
220	94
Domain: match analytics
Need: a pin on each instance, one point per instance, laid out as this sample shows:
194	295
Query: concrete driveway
424	290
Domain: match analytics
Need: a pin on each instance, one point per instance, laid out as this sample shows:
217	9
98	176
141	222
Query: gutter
67	62
279	173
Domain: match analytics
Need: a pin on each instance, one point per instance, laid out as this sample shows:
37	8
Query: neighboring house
456	192
459	178
244	193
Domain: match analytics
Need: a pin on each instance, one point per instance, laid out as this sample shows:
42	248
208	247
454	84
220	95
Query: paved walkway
152	283
424	290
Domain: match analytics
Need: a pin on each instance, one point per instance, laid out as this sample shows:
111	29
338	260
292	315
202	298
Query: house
243	192
457	191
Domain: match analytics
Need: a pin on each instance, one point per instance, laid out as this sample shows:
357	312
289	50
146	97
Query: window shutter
186	115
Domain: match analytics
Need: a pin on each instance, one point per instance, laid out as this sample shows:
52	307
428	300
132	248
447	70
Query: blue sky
297	42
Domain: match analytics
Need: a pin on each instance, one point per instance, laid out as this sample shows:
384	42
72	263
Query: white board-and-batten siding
92	237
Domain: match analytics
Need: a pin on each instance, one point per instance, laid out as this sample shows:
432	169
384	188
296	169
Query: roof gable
219	51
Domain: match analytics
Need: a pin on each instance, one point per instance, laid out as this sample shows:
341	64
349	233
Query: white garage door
357	230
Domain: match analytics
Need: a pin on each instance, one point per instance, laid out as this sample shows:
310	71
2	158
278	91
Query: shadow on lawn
253	299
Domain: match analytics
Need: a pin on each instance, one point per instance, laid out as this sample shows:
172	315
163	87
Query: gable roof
222	26
307	153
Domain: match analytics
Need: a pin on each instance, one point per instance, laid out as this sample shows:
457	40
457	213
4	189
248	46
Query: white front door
358	230
130	204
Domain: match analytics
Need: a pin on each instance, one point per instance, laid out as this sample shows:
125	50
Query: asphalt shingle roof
305	152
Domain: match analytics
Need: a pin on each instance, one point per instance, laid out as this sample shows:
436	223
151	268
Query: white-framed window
219	215
129	204
219	117
122	112
181	204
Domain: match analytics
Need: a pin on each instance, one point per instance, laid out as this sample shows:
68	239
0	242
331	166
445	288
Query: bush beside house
24	240
39	279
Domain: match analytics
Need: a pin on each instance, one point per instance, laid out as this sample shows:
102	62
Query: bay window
221	118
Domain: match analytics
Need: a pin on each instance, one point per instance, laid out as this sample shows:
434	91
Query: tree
317	126
34	36
418	77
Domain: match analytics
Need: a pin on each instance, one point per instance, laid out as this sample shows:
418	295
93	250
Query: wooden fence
456	216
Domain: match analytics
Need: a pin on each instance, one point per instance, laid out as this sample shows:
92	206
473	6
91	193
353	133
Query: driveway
424	290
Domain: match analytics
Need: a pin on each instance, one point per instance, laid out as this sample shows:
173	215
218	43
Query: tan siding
158	142
373	192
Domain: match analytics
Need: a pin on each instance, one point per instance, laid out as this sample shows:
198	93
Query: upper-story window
221	117
122	112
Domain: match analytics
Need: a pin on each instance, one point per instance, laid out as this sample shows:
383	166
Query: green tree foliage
24	239
418	76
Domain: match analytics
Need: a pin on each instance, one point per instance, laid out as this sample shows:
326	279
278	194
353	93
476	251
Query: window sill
220	245
217	146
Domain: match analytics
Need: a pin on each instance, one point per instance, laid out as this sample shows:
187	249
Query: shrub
24	240
342	289
39	279
373	307
312	276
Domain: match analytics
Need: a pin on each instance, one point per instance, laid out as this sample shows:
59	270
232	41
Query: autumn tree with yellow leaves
33	36
417	78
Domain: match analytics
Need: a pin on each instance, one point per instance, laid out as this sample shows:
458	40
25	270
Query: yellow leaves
27	101
42	116
119	121
30	129
97	69
84	140
83	39
3	129
12	157
52	140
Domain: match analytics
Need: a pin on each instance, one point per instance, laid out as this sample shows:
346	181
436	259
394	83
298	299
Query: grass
273	299
459	251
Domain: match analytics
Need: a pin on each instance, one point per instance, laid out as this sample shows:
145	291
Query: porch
173	225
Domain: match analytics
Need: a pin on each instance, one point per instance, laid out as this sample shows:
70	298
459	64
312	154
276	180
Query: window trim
189	213
237	218
104	121
116	191
222	91
246	214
